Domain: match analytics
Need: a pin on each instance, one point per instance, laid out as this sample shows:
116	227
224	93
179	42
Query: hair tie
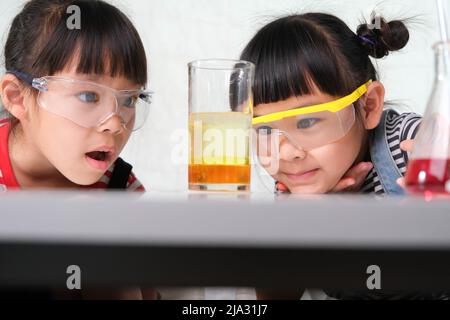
367	40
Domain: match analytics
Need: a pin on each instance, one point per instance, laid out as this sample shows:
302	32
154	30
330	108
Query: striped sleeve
134	184
410	126
399	127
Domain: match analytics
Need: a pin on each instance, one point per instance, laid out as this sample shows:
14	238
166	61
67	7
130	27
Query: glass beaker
220	116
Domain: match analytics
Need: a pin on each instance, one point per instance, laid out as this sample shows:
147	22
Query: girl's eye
264	130
88	97
129	102
307	123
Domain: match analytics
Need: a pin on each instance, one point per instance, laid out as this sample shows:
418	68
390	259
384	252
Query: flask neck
442	58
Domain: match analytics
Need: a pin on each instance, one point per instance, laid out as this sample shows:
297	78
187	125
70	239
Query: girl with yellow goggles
319	111
319	108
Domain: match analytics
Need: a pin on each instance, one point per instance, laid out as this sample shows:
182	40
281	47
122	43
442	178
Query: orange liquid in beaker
430	176
219	158
213	174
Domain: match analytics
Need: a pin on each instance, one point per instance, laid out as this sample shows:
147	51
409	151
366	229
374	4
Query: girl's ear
372	105
12	94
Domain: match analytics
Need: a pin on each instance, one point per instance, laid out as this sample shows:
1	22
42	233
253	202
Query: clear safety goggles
306	128
90	104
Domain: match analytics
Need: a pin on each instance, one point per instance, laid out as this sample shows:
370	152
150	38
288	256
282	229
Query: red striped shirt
8	180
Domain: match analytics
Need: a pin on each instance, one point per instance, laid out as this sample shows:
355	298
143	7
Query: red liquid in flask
428	176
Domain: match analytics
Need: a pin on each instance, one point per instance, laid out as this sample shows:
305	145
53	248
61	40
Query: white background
175	32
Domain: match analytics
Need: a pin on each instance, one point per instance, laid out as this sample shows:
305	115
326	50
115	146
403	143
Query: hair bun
381	37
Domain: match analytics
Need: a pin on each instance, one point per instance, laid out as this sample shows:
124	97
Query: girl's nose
289	151
113	124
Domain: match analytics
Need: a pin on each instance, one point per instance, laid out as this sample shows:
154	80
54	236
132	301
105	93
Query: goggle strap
25	77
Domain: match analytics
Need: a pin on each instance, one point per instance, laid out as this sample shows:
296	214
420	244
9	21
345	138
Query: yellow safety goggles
332	106
306	128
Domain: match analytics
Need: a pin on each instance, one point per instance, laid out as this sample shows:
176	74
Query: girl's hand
405	145
353	178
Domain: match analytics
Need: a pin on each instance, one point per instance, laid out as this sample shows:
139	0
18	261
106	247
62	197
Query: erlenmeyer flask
429	165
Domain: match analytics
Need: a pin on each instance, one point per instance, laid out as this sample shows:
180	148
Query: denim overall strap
382	159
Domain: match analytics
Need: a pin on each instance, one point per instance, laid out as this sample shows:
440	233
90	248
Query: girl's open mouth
100	160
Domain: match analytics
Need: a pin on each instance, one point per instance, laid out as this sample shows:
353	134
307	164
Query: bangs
293	57
106	44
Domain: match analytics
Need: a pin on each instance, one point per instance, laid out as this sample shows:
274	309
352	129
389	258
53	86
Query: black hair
295	53
40	43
